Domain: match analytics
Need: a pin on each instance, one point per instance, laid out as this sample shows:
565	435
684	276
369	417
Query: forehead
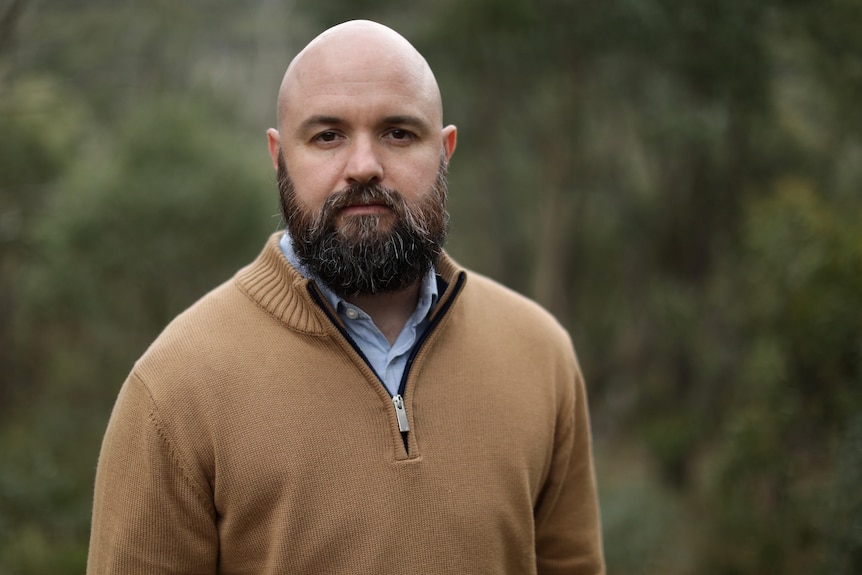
354	74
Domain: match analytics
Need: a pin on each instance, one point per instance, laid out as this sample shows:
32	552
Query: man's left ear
450	139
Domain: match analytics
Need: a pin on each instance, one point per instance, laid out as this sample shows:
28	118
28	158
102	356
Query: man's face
354	254
358	119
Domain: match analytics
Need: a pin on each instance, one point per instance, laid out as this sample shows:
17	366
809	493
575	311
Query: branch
8	18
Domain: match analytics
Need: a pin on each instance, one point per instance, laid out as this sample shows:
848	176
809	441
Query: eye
400	135
327	137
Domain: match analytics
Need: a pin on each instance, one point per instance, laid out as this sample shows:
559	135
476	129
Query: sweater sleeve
150	513
568	527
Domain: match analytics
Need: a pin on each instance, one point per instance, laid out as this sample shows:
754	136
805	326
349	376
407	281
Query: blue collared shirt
388	361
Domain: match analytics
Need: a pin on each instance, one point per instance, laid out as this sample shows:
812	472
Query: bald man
353	401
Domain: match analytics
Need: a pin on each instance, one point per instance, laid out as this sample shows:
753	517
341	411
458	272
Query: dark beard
361	258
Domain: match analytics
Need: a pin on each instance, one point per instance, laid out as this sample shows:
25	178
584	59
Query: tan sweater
251	438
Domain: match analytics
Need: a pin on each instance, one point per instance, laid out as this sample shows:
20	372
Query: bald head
358	52
360	105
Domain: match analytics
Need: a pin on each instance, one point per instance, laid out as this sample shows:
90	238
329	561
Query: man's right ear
274	141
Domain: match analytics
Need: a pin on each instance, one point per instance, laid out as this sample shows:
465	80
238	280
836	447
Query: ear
274	140
450	139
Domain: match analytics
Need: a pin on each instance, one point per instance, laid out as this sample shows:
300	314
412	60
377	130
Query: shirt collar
428	292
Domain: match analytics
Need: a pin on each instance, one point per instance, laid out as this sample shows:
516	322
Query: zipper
432	325
397	399
401	413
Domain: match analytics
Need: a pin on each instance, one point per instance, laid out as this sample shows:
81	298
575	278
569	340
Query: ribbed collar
273	284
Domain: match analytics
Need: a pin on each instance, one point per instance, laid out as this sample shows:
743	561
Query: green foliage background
678	180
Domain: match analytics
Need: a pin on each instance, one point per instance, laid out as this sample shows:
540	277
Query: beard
361	254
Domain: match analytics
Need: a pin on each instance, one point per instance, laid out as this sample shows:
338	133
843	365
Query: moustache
363	194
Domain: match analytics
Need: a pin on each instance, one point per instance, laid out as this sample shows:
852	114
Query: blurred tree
10	14
151	216
170	195
37	127
789	443
677	180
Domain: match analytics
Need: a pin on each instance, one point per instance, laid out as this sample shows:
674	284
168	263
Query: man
352	401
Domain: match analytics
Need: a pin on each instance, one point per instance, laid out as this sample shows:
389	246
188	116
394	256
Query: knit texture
251	438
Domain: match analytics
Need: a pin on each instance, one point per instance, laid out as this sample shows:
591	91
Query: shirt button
352	313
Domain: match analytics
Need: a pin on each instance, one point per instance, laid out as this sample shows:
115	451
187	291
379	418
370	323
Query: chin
360	224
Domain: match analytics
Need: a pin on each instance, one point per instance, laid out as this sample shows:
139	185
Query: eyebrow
319	120
410	121
398	120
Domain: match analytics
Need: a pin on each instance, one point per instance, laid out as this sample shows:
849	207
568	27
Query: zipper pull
401	413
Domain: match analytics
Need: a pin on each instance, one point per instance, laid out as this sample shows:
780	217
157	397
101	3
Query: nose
363	165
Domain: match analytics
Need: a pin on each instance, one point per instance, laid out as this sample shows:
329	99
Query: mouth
372	209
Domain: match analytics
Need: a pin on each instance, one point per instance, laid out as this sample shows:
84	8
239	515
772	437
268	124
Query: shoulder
500	305
492	317
234	324
204	342
502	332
210	318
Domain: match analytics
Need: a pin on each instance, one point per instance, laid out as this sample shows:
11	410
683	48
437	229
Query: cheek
418	178
313	184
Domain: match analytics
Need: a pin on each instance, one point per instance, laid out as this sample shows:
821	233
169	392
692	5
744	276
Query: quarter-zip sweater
252	438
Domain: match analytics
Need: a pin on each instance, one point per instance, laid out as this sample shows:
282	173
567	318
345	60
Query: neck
389	311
